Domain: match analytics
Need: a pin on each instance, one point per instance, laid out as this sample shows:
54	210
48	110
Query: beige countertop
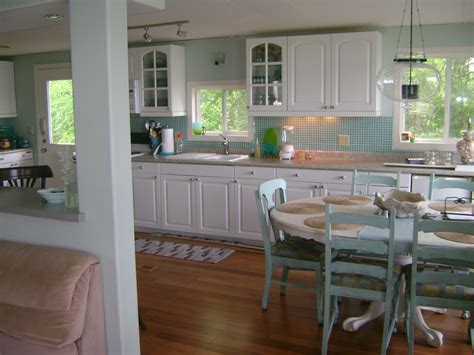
361	162
27	202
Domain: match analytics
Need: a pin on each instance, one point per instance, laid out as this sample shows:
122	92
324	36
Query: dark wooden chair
25	176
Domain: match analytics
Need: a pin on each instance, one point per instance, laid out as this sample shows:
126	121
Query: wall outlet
344	140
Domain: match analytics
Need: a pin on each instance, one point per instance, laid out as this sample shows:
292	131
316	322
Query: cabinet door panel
354	68
297	190
309	71
146	201
177	210
215	206
247	221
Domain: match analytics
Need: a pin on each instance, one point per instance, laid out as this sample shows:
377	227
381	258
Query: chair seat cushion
362	281
442	290
299	248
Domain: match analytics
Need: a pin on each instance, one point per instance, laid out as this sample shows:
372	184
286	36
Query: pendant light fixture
147	37
409	78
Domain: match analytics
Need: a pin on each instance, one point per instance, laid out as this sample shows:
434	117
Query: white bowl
406	203
52	195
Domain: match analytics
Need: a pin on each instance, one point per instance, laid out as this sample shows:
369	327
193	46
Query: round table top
294	225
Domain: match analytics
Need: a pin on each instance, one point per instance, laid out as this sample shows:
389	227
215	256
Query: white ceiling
26	30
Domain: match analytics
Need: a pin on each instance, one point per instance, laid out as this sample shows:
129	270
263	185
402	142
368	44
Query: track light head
180	32
147	37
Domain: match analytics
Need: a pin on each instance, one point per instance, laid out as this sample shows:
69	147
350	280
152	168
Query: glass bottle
179	144
71	196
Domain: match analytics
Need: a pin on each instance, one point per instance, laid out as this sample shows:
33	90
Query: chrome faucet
225	144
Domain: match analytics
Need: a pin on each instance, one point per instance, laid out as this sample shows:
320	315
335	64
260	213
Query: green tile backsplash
367	134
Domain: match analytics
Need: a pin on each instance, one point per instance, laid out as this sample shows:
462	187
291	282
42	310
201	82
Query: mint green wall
199	66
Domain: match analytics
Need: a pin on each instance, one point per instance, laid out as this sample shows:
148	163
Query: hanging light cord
400	32
421	30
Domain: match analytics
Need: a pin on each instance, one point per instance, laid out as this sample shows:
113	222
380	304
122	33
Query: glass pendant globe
394	81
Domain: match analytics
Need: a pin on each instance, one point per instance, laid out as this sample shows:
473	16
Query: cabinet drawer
315	175
14	157
198	170
252	172
145	168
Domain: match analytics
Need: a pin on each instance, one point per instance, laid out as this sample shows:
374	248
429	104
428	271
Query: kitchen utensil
287	150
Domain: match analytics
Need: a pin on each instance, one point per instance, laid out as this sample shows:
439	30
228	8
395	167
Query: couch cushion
45	327
40	277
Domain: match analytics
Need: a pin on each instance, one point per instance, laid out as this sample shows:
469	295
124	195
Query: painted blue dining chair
363	269
446	183
367	180
440	276
289	252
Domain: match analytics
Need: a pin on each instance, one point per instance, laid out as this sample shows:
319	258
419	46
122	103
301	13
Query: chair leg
386	324
470	333
141	322
410	321
284	278
319	296
330	314
268	283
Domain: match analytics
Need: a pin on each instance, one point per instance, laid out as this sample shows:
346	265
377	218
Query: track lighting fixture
146	36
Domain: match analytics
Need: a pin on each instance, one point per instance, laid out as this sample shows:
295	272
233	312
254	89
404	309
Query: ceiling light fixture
54	16
180	32
409	78
147	37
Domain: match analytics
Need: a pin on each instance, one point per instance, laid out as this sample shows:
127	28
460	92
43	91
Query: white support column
100	80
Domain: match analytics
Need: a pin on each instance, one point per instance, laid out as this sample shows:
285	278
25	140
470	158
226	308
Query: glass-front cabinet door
267	74
155	85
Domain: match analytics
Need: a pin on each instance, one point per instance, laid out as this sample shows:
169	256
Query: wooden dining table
294	224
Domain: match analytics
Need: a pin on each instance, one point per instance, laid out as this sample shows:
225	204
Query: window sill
448	147
218	138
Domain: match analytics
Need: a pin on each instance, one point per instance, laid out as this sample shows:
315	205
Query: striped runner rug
182	251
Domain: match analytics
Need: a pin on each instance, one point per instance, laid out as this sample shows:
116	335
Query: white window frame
448	145
193	109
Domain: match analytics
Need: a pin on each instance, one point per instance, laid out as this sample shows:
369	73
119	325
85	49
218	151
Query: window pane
462	95
237	119
426	119
61	114
210	109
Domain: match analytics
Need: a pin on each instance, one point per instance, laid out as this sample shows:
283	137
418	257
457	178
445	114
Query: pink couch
50	301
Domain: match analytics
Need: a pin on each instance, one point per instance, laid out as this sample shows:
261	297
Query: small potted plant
412	137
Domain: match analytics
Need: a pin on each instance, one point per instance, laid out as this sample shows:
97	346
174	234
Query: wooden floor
199	308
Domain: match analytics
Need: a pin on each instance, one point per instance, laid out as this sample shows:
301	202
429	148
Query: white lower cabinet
178	200
146	195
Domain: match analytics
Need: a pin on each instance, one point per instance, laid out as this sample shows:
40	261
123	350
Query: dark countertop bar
27	202
364	163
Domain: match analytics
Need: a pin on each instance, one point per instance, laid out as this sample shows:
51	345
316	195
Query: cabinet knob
332	107
252	172
2	158
236	181
192	179
325	107
196	179
317	186
297	175
342	177
322	186
140	167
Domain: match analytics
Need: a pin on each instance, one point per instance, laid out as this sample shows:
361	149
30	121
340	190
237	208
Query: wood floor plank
200	308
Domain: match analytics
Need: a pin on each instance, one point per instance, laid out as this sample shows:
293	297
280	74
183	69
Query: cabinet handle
322	186
332	107
192	179
252	172
342	177
2	158
140	167
196	179
236	181
297	175
325	107
156	177
317	186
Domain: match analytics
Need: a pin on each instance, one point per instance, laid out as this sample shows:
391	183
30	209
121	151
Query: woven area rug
182	251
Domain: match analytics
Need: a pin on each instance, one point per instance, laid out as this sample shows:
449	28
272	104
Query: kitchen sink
223	157
186	156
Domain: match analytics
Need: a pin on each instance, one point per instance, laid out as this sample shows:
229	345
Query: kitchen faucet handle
224	137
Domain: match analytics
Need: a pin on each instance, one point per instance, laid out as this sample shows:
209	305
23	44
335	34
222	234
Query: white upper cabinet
162	81
309	72
356	60
7	90
266	74
331	74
